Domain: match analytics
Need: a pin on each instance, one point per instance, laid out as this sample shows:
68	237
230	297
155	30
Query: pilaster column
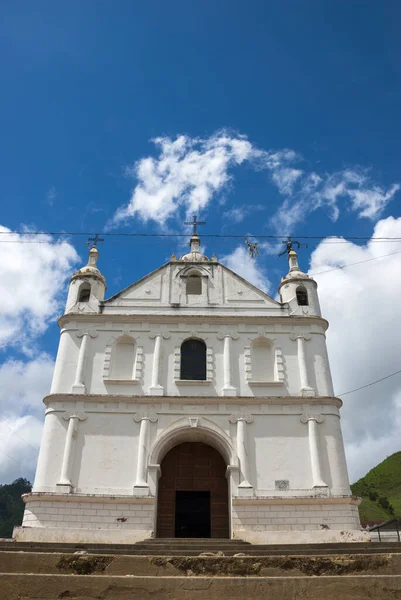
68	456
49	438
314	448
242	420
143	448
156	389
302	338
228	388
79	384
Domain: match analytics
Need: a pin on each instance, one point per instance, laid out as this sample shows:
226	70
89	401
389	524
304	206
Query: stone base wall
257	517
91	514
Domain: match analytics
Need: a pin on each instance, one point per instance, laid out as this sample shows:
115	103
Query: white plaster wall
279	450
105	446
67	359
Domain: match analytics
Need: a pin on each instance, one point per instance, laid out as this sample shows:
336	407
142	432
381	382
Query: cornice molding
212	400
277	319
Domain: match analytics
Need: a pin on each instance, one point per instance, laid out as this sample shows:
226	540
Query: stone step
90	587
192	548
205	566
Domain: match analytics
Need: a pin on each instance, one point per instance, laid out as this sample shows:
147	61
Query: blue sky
291	109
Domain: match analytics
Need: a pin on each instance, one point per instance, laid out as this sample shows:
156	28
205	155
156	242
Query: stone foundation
87	519
297	521
112	519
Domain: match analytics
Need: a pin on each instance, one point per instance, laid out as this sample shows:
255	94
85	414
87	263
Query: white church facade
191	404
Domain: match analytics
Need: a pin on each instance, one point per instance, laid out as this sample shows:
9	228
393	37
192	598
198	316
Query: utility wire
370	384
204	235
355	263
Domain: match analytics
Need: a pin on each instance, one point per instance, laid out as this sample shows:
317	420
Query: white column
156	389
306	389
143	448
66	467
79	385
328	382
314	448
228	388
337	460
61	360
51	431
242	451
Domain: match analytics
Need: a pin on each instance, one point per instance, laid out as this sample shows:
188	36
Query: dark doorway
193	493
192	514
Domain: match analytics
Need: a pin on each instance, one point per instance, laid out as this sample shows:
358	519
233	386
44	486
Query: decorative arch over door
193	493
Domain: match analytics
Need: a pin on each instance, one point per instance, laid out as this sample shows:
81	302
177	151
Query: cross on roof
289	243
195	224
95	240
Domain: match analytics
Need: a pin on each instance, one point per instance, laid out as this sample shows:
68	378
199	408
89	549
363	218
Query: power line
204	235
355	263
370	384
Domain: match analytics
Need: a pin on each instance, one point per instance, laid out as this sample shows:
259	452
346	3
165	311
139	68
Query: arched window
193	360
123	359
84	292
262	361
302	296
194	284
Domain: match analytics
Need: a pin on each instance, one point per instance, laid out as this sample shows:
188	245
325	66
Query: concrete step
195	547
204	566
19	586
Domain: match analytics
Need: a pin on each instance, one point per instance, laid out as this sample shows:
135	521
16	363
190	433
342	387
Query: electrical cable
204	235
369	384
355	263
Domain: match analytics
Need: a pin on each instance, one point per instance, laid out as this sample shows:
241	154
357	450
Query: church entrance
193	493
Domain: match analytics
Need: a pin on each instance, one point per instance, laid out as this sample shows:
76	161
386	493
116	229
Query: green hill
380	490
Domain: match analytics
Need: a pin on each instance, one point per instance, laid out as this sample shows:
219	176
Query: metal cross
289	243
95	240
195	224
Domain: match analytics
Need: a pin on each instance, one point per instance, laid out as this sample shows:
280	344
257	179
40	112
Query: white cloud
311	191
189	173
363	308
51	195
24	384
19	446
32	292
22	388
240	262
239	213
32	278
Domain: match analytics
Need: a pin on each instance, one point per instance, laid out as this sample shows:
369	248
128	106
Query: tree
11	505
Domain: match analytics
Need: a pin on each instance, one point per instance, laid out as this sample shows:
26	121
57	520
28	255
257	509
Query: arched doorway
193	493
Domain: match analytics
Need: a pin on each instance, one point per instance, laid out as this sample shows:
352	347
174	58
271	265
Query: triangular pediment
146	290
166	287
239	291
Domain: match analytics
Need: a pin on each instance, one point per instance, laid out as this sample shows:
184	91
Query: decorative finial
93	251
289	246
95	240
292	255
252	248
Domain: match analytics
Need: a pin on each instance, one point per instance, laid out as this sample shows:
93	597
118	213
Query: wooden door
193	466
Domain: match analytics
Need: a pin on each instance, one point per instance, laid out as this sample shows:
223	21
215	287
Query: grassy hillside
380	490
